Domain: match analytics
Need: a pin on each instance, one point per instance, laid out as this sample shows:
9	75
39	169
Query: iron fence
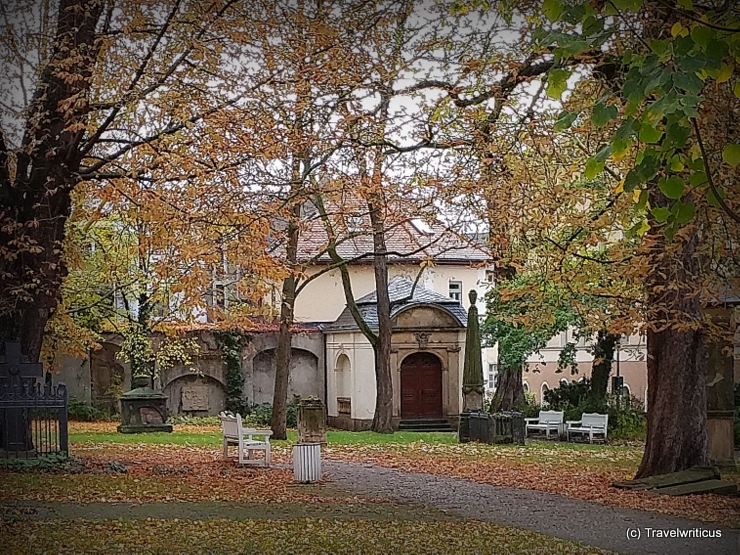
33	420
503	427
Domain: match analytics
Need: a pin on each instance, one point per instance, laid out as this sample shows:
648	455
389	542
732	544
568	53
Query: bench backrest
230	425
551	416
594	420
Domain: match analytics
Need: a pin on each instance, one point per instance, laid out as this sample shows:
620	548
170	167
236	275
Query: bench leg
226	449
268	457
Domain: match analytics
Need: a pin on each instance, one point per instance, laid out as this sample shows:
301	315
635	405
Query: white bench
547	420
590	423
247	440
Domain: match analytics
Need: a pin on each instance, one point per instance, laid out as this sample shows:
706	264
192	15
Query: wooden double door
421	386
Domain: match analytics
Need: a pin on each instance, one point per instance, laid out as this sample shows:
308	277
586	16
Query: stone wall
201	390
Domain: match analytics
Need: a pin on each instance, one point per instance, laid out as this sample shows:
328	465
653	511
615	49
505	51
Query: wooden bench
546	421
247	440
591	423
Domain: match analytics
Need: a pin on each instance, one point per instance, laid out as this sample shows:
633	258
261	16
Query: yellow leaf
676	29
636	195
620	187
644	228
725	73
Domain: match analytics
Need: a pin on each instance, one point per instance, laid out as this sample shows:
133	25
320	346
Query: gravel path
554	515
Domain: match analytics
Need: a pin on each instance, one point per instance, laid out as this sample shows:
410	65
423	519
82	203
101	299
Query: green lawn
208	437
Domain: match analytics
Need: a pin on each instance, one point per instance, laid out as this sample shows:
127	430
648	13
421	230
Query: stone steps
425	425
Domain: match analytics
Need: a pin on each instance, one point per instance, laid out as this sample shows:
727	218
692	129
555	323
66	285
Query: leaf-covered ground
276	536
180	497
581	471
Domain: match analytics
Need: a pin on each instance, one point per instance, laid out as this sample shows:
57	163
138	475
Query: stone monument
472	386
143	409
311	421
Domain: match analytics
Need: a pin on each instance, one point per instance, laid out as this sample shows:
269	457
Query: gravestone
17	375
311	421
194	398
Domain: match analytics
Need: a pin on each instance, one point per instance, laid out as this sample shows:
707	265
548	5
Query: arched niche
342	376
304	378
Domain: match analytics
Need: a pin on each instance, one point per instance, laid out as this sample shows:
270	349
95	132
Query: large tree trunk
283	351
36	202
509	390
602	366
383	417
677	398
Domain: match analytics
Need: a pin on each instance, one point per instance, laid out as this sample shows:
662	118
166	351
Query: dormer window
354	223
422	227
455	290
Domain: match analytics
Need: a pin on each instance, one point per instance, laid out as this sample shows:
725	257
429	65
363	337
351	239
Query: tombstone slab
194	398
311	421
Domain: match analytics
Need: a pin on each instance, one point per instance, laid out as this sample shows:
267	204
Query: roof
399	289
407	241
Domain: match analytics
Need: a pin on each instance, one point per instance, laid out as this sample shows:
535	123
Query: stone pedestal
720	395
311	421
143	410
463	430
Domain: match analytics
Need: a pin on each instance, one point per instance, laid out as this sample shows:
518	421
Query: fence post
63	420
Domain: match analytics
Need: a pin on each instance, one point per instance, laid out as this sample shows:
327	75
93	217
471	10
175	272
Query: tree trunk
35	205
383	417
283	352
509	390
677	398
602	366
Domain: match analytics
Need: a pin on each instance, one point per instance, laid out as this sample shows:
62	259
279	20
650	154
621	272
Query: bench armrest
573	422
531	420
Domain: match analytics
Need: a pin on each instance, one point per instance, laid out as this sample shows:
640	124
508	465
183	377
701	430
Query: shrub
261	415
184	419
56	462
626	414
83	411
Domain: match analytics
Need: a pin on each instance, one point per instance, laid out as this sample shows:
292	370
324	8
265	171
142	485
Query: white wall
323	299
362	374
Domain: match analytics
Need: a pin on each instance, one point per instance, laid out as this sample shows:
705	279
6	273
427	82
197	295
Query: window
492	375
344	405
219	295
525	386
490	276
354	223
455	291
563	381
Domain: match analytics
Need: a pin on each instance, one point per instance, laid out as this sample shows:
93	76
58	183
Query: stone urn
143	409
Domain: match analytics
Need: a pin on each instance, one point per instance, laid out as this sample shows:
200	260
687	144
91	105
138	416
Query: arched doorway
421	386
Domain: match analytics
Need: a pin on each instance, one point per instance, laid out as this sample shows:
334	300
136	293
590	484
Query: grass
306	535
210	436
